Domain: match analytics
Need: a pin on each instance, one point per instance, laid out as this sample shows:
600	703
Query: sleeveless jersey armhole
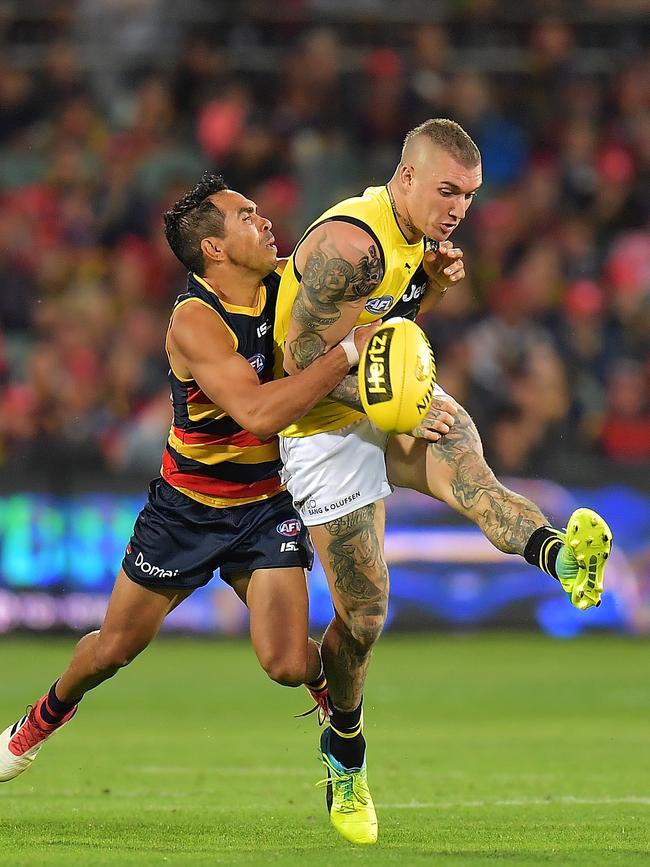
235	341
340	219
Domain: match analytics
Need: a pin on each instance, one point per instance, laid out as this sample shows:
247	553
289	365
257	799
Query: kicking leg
454	470
132	620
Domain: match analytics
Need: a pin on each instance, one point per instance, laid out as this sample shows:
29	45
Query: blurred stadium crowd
110	110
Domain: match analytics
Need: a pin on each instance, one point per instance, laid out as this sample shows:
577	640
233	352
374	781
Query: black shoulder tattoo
329	281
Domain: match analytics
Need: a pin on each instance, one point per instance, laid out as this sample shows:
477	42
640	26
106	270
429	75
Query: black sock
347	744
542	549
53	709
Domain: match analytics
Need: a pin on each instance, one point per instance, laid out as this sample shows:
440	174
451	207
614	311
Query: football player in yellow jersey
219	502
354	265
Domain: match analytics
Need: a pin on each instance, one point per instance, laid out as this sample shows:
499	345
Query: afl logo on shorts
257	362
291	527
379	305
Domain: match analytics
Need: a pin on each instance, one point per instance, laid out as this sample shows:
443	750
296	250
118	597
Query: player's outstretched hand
443	264
438	421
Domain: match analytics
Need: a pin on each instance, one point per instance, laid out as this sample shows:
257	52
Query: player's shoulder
194	321
346	234
340	237
360	220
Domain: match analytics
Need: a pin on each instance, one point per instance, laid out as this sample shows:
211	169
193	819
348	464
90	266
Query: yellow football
397	375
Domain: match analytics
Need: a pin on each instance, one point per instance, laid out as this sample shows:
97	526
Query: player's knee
467	433
366	625
286	670
114	653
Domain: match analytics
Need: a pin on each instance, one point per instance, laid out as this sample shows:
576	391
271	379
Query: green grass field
490	748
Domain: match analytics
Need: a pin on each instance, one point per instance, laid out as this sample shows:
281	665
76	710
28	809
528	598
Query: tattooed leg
350	549
454	470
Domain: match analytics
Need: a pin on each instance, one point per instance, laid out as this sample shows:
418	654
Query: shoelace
321	708
348	785
31	732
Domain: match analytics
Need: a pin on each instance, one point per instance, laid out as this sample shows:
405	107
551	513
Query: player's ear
407	173
212	249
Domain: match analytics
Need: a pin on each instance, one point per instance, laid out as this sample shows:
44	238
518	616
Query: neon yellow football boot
349	801
581	560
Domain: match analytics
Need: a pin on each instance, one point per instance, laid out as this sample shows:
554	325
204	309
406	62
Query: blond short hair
450	136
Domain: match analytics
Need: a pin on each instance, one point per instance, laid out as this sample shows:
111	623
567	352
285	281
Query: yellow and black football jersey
371	211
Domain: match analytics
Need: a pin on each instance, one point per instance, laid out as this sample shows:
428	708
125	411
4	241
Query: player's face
440	194
248	242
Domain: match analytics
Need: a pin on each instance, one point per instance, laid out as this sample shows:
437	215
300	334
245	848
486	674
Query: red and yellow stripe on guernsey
200	407
207	450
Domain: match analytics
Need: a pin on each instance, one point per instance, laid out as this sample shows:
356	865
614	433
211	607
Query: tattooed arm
340	266
347	392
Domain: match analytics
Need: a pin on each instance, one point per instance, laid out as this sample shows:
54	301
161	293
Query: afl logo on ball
380	305
289	528
257	362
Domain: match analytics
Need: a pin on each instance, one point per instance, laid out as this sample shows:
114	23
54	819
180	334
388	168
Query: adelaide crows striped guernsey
208	456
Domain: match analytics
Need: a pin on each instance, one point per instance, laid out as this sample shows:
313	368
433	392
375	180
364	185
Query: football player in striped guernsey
219	502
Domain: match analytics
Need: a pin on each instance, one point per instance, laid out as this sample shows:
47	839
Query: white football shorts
332	474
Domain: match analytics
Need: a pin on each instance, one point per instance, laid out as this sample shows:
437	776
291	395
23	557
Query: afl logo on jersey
379	305
289	528
257	362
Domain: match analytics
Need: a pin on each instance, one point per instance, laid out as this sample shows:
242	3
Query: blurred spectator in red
625	434
113	120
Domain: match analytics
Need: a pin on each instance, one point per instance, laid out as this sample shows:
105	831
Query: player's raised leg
351	551
454	470
133	618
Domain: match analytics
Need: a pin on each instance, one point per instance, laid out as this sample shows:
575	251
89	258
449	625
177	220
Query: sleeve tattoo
327	283
506	518
347	392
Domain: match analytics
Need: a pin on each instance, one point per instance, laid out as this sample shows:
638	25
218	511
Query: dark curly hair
193	218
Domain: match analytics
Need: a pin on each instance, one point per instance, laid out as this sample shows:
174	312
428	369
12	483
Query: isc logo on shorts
379	305
289	528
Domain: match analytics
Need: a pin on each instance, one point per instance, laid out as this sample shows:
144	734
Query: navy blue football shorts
178	543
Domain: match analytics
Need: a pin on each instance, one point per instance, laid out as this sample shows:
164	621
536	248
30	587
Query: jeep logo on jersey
414	292
257	362
379	305
289	528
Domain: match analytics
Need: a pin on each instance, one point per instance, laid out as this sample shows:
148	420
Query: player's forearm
432	296
283	401
347	392
311	343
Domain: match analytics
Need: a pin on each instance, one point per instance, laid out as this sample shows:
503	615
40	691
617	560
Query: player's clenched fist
443	264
